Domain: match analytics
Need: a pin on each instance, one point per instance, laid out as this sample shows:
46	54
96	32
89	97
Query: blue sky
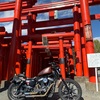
95	23
93	10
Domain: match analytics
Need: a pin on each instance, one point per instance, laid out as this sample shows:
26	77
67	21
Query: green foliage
97	46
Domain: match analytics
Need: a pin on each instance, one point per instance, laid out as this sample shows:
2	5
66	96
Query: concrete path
86	94
3	96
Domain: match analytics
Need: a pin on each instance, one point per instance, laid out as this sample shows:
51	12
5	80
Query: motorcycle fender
16	80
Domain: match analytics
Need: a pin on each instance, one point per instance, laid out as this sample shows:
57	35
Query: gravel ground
3	96
86	95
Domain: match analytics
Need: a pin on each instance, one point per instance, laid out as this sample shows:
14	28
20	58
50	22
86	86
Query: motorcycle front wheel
74	91
13	92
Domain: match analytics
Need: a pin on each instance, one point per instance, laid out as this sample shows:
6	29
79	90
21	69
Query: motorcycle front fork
65	84
62	80
18	88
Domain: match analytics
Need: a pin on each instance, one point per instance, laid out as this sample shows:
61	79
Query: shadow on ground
55	97
5	87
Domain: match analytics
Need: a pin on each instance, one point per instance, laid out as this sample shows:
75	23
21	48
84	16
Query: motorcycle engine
30	83
44	83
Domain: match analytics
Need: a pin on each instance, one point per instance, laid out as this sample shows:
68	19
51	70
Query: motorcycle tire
74	92
12	93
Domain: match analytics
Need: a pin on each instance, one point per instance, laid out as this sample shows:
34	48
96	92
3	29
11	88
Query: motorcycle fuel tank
47	70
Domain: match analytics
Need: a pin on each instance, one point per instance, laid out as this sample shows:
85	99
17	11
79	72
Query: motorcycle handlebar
53	64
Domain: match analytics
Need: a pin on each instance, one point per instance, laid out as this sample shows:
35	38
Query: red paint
26	10
31	30
89	43
77	42
71	61
1	64
16	32
84	56
51	15
61	56
28	67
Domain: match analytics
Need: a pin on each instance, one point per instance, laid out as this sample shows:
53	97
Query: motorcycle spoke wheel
73	93
13	93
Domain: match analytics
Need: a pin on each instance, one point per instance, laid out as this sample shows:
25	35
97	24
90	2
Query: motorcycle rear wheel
74	92
12	93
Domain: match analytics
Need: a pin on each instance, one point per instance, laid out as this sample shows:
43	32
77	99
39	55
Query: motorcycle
44	85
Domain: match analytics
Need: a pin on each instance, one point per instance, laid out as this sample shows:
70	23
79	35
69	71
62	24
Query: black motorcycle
44	85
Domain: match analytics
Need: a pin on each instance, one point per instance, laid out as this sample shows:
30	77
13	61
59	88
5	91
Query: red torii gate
21	12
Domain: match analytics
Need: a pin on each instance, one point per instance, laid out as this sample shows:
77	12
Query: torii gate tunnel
30	52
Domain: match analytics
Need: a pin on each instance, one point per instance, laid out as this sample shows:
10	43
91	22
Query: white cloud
65	13
6	14
6	0
11	0
9	27
96	38
42	17
46	1
24	32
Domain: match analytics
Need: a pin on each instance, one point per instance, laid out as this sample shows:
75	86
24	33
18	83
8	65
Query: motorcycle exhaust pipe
32	94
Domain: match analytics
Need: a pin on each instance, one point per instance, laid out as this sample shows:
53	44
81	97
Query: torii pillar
16	31
88	34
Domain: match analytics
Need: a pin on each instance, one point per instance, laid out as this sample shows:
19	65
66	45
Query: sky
61	14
